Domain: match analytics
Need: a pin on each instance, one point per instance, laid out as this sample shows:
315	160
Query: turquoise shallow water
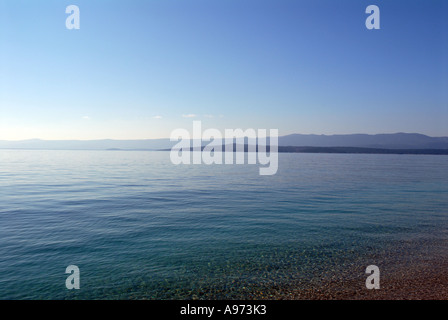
139	227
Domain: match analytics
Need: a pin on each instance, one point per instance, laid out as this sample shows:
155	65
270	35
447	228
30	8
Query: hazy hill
149	144
385	141
381	141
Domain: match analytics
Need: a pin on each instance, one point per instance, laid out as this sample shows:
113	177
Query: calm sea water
139	227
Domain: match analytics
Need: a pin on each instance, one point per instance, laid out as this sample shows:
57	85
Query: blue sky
141	68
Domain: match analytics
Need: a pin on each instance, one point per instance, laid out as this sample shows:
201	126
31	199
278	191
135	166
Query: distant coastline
354	150
286	149
395	143
344	150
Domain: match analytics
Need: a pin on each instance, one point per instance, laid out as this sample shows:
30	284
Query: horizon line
290	134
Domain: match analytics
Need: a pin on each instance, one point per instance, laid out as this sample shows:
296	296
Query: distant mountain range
149	144
382	141
377	141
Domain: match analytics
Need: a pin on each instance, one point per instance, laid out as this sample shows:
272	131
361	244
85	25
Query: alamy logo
72	281
373	20
191	150
72	21
373	281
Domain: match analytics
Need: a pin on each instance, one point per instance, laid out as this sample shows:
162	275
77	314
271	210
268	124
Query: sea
139	227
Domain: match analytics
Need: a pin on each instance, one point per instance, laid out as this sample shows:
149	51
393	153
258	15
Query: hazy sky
138	69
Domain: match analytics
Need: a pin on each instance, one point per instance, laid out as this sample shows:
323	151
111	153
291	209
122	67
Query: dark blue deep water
139	227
